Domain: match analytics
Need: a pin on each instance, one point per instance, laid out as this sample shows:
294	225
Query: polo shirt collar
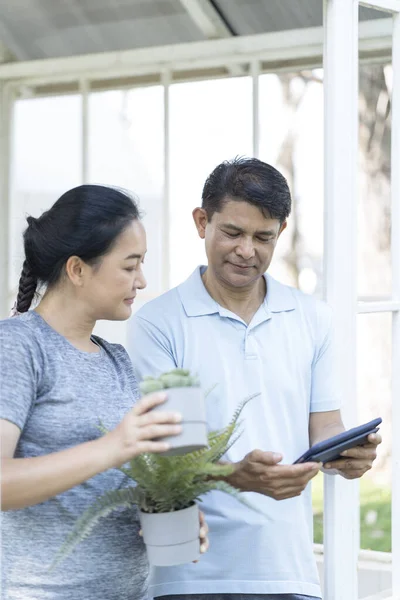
198	302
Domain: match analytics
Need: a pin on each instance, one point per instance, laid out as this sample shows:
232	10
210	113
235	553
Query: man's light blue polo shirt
285	354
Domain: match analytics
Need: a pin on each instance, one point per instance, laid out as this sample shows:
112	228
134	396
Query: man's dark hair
247	180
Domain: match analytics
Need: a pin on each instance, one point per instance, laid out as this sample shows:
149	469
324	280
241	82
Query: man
244	333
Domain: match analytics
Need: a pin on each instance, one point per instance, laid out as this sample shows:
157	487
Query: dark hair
249	180
84	222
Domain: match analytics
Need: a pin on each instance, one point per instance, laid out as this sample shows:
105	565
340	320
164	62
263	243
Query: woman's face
109	288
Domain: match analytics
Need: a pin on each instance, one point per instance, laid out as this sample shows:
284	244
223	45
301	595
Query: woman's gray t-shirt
57	395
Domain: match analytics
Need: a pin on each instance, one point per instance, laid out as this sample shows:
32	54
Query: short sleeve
324	392
149	349
19	371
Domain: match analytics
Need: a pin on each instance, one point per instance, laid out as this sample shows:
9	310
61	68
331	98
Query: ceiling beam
288	47
5	54
207	18
10	50
211	24
390	6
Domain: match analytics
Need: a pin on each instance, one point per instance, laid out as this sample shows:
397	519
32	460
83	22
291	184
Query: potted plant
184	396
166	489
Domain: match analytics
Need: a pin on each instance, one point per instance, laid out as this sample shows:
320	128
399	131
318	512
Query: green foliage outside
375	514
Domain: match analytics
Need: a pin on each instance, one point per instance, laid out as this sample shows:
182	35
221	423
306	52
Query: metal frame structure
341	106
341	95
339	46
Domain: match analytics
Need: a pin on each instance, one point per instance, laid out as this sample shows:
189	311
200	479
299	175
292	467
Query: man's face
240	242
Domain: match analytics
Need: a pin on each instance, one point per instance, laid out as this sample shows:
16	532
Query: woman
58	381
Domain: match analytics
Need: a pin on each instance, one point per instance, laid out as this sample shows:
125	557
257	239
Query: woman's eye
130	269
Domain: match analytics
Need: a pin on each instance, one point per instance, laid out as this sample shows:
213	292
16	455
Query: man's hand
260	472
356	461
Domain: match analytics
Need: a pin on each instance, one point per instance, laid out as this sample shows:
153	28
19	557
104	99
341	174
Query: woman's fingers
152	447
203	525
158	417
148	402
153	432
204	543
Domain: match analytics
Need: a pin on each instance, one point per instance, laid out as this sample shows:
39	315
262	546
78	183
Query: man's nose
245	249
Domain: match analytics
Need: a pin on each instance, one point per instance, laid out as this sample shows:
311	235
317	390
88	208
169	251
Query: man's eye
130	269
232	235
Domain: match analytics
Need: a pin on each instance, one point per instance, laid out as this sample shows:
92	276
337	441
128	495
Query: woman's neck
66	316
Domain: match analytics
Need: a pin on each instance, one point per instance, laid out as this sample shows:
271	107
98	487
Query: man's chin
243	278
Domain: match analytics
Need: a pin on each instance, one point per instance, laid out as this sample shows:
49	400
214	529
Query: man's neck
243	302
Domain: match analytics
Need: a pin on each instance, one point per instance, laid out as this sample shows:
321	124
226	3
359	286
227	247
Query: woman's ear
75	270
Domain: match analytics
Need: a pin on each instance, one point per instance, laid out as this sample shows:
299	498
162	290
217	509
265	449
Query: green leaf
103	506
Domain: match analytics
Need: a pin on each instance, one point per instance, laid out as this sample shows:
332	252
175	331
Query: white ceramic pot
171	538
190	402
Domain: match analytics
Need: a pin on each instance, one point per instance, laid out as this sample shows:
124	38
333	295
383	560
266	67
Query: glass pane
374	263
374	348
126	149
46	162
374	400
210	122
291	139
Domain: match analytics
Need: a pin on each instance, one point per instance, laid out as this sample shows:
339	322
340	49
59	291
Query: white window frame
341	510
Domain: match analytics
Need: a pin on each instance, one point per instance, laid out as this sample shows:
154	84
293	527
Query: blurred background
159	132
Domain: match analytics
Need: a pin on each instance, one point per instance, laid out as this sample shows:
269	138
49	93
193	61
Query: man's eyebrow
239	230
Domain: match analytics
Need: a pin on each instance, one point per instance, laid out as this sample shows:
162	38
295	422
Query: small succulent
172	379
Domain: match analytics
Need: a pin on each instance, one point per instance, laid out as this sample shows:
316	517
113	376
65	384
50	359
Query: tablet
331	448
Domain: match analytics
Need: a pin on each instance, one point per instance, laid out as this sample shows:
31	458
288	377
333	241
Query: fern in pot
166	490
185	396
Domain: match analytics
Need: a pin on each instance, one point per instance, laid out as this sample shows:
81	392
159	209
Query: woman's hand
204	542
141	428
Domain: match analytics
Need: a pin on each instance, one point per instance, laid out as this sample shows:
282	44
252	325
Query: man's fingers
290	472
349	464
375	439
265	458
287	492
362	452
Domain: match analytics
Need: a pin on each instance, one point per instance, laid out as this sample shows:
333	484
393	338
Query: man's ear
75	270
282	227
200	219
